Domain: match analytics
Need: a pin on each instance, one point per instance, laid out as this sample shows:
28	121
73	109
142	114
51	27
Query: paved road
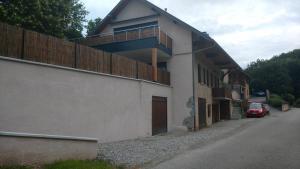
271	143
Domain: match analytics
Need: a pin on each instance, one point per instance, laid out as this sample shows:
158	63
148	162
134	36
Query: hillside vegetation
280	74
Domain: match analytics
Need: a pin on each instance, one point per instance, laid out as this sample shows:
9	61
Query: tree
60	18
91	26
280	74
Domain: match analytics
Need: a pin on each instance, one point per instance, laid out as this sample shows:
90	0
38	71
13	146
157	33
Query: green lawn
71	164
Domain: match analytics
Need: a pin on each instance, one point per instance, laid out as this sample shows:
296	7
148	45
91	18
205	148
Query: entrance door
202	112
159	115
225	110
215	113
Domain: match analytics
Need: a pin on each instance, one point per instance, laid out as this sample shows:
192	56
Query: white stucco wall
180	66
135	9
50	100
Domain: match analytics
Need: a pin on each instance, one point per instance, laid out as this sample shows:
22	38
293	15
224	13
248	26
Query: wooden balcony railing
130	34
224	93
36	47
163	77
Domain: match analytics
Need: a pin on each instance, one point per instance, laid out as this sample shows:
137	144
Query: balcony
223	93
131	39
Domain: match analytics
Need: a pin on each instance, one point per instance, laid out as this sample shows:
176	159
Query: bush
80	164
273	96
297	103
289	98
70	164
275	101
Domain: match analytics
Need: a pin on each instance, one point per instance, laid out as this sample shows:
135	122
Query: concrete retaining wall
50	100
285	107
38	98
33	149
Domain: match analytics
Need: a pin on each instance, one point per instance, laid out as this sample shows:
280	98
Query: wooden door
202	112
224	110
159	115
215	113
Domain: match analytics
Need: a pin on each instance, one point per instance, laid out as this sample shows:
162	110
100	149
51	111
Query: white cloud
246	29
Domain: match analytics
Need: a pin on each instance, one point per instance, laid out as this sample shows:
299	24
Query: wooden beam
154	63
211	55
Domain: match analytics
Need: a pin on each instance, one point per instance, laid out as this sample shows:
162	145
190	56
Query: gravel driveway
149	151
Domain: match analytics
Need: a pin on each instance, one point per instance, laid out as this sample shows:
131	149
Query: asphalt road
272	142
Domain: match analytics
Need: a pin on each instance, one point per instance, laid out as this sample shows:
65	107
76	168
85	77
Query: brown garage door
159	115
215	112
202	112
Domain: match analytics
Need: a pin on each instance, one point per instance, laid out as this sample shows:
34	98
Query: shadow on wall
189	121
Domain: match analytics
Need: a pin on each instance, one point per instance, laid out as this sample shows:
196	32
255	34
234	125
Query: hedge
297	103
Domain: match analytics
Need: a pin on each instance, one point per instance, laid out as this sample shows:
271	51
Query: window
155	23
199	74
207	77
204	76
216	81
211	80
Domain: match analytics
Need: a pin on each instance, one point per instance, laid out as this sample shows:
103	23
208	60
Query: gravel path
153	150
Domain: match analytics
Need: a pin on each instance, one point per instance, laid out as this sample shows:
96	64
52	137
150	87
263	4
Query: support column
154	63
196	109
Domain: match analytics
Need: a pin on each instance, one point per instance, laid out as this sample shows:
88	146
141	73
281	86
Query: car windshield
255	106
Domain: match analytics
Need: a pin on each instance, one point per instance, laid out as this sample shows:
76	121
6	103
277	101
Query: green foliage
275	102
297	103
79	164
60	18
273	96
91	26
289	98
70	164
279	74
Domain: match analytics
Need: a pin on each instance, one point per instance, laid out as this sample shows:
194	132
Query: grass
71	164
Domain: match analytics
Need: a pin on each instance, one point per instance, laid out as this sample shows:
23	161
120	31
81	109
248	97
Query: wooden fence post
23	43
137	70
75	58
111	63
154	63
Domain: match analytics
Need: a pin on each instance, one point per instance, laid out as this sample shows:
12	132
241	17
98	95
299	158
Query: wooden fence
28	45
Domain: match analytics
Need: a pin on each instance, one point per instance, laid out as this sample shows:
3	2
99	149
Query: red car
257	110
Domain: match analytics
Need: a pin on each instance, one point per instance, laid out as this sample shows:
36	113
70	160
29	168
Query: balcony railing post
166	40
140	33
158	35
126	36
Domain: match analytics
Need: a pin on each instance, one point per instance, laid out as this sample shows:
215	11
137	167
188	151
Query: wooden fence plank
11	38
107	62
144	71
123	66
47	49
3	36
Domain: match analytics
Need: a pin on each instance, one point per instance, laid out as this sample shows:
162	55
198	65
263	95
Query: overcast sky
246	29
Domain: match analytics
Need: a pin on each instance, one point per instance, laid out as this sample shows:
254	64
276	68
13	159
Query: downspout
193	67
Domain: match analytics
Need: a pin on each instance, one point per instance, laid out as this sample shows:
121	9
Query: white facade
179	64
